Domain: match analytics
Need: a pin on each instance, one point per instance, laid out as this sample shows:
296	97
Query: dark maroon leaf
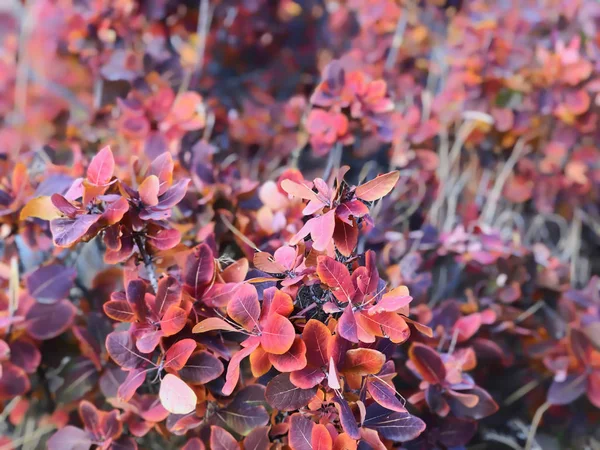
51	283
201	368
199	269
486	406
258	439
455	432
14	381
281	394
395	426
25	355
45	321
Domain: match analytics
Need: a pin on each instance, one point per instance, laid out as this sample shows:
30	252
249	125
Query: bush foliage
319	224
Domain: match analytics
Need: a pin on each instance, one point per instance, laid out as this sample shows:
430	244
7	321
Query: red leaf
220	294
392	301
363	361
244	307
233	369
335	275
266	262
260	362
168	294
119	310
467	326
277	335
177	356
428	363
385	324
345	237
308	377
298	190
162	168
149	190
165	239
276	302
322	230
345	442
353	208
173	321
317	338
115	211
320	438
293	359
101	167
176	396
378	187
211	324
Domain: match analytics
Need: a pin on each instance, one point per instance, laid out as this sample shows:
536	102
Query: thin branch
333	161
489	210
148	264
535	423
392	56
204	18
239	234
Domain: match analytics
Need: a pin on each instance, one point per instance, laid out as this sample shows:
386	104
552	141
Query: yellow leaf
40	207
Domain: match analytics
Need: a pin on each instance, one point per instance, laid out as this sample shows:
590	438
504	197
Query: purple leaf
281	394
66	232
347	418
300	434
567	391
45	321
201	368
69	438
51	283
121	349
395	426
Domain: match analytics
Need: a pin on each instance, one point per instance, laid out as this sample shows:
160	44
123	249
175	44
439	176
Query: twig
522	391
335	156
491	204
239	234
204	18
16	443
396	41
22	75
537	417
148	264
